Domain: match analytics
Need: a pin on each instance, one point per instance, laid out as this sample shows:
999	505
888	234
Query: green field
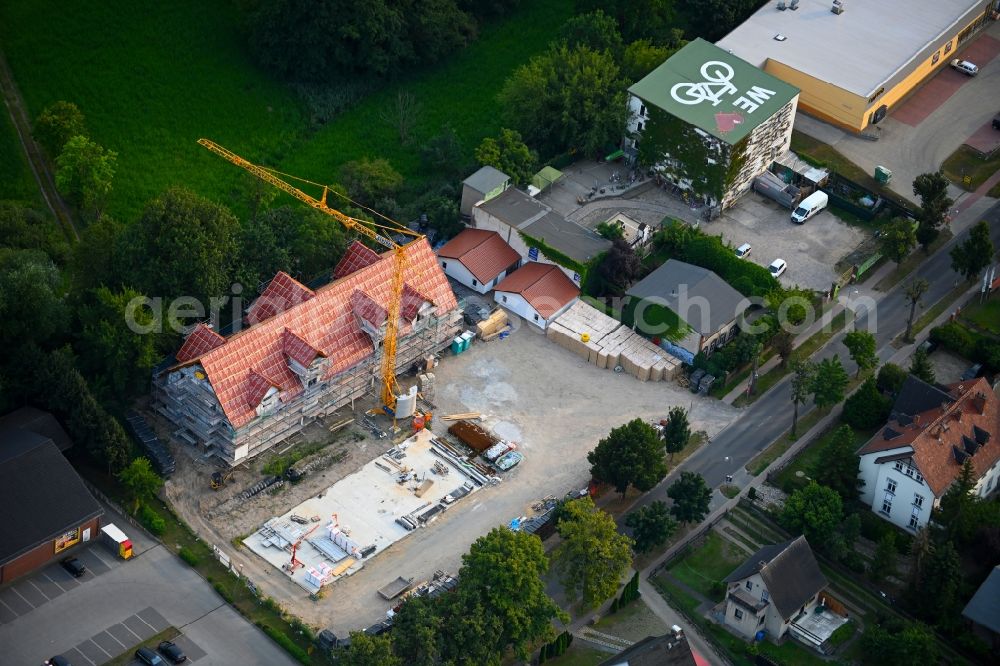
153	78
708	564
16	180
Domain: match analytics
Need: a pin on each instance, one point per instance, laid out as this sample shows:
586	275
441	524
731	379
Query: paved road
771	415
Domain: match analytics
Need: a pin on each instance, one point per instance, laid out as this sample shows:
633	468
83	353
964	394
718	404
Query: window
639	126
764	596
760	620
914	522
899	465
503	299
737	613
312	382
890	486
496	280
474	283
750	586
887	504
919	478
642	109
536	317
918	501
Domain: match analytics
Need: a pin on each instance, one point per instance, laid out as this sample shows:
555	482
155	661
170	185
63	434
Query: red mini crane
295	546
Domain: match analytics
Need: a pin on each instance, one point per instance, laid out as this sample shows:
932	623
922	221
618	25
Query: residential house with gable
478	259
304	354
908	466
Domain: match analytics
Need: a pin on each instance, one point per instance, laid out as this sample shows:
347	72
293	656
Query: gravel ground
948	366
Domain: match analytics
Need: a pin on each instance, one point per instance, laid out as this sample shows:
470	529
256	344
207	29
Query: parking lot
116	605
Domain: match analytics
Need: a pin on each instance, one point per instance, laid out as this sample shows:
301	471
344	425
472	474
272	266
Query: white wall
990	481
455	269
516	304
483	220
902	500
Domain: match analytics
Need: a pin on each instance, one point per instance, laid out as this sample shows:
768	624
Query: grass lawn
580	654
933	312
985	316
809	457
152	79
16	179
702	567
966	162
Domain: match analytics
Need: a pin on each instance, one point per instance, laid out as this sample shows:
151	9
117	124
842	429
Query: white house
477	258
537	292
909	465
777	591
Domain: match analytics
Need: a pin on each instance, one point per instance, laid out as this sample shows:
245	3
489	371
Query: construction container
882	175
117	541
406	404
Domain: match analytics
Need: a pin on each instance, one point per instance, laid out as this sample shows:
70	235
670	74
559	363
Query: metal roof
984	607
858	50
486	179
715	91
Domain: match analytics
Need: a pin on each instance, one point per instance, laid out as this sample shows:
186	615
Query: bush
854	562
866	407
890	378
286	643
223	592
189	557
152	520
955	337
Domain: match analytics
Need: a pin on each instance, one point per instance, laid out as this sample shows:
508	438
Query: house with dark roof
304	354
700	299
47	508
531	227
780	590
908	465
983	610
668	650
537	292
484	184
478	259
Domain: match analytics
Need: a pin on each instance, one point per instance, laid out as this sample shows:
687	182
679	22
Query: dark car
996	122
378	628
74	566
148	657
326	639
172	652
928	345
57	660
973	372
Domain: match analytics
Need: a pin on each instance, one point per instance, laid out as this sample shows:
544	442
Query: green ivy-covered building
709	122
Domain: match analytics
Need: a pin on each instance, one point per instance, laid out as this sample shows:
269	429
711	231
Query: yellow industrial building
855	60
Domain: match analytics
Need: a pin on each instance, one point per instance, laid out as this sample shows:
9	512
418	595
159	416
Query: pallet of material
491	326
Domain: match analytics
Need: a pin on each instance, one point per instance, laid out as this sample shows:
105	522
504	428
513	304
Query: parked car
928	345
172	652
326	639
74	566
148	657
378	628
996	122
964	66
810	206
743	251
777	267
972	372
57	660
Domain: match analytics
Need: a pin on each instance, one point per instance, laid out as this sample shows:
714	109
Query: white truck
809	206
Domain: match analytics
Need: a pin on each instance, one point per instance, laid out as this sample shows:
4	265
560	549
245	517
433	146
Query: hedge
285	642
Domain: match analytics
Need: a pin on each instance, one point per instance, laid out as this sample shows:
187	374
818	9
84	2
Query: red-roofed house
310	355
909	465
537	292
477	258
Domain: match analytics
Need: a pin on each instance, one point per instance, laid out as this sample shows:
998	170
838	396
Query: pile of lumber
490	328
606	343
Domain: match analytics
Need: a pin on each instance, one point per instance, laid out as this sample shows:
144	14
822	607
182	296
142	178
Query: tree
651	526
976	253
677	431
366	650
57	124
890	378
31	304
942	581
402	115
803	374
866	407
884	562
784	344
830	382
593	556
641	57
23	227
814	511
914	291
141	482
631	454
932	188
370	180
920	366
595	30
444	154
837	465
957	511
508	153
638	19
713	19
565	99
183	245
691	498
898	238
620	266
902	644
501	580
861	345
415	632
84	171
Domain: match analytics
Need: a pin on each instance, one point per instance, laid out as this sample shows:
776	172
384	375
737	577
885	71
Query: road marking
93	552
40	590
14	590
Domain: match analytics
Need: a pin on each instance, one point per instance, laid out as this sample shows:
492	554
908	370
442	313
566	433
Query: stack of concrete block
606	343
491	327
426	381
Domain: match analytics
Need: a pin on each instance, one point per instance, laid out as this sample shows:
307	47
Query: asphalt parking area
125	637
811	249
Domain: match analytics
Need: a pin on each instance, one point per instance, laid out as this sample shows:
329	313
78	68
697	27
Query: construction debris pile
607	343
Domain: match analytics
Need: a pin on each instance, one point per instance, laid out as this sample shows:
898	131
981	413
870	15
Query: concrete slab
30	593
821	625
15	601
191	649
139	628
6	614
363	506
109	643
124	635
153	618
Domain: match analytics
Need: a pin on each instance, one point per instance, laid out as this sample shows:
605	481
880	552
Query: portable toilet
457	346
882	175
117	541
467	339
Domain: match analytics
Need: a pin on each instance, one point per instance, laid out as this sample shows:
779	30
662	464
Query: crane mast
389	343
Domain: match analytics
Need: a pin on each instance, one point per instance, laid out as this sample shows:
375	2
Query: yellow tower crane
388	367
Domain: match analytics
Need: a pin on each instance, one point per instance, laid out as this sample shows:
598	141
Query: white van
809	206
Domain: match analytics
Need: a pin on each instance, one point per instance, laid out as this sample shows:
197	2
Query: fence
118	509
845	193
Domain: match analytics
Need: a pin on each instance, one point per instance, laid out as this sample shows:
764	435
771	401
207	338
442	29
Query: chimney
957	414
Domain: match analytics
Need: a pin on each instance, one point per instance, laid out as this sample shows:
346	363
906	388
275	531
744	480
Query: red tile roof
326	323
943	435
257	386
298	349
483	252
544	286
281	293
199	341
367	309
356	257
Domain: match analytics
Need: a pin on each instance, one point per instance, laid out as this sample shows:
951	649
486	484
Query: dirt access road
555	405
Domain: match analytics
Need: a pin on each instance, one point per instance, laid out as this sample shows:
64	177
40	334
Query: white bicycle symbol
718	82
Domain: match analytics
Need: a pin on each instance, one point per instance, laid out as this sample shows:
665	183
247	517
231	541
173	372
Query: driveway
118	604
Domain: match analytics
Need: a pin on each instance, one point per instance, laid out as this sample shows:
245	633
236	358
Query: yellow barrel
585	337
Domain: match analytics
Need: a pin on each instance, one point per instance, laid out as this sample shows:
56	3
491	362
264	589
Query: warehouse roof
40	492
715	91
858	50
483	252
486	179
697	295
544	286
538	221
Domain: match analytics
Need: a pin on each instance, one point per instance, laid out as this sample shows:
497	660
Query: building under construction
304	354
